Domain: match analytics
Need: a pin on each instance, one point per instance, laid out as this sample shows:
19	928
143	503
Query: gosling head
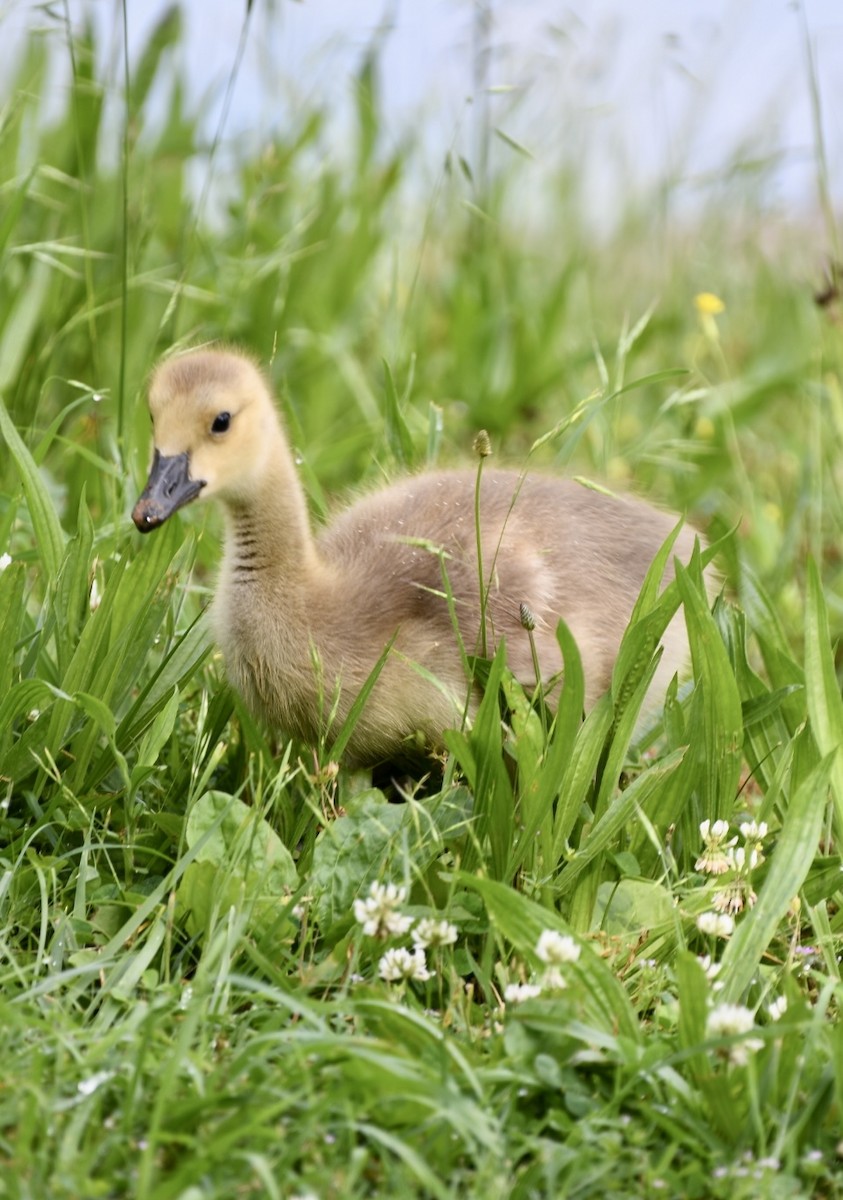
213	421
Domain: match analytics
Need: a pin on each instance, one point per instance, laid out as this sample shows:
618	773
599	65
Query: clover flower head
734	897
732	1020
431	932
557	949
399	964
777	1009
517	993
712	970
713	832
377	912
717	924
714	859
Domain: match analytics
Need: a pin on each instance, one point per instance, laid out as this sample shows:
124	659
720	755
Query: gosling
303	619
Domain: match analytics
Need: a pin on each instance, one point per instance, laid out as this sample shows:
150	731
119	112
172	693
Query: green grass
190	1007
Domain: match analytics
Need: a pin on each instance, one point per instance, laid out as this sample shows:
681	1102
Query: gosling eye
221	422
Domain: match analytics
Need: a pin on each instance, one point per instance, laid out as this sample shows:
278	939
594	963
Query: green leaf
647	623
12	582
480	755
73	591
694	991
715	723
640	794
167	33
631	908
579	776
825	705
45	521
789	865
350	852
242	863
347	729
21	322
22	698
397	431
550	774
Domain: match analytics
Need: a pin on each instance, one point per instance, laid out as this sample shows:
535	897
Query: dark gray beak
169	487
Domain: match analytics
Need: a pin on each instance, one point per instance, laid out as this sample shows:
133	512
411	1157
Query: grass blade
825	704
45	521
790	862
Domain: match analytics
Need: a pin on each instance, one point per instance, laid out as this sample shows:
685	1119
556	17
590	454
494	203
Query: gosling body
303	619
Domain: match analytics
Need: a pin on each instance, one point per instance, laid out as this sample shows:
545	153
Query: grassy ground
193	1004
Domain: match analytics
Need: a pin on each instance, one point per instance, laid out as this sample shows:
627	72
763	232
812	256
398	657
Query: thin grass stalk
545	831
821	158
483	448
124	264
226	107
84	171
528	622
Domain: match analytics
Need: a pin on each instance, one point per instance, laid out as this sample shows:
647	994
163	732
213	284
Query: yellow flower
708	305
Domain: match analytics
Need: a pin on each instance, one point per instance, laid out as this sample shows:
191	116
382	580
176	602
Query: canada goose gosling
302	620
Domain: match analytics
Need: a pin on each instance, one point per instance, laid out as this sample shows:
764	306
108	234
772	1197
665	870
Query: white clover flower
399	964
517	993
712	969
95	597
745	859
430	932
553	980
731	1020
717	924
733	897
713	862
777	1009
5	561
713	832
714	859
753	831
557	949
728	1020
395	924
377	912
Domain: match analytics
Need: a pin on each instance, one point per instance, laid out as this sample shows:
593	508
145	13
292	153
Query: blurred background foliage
109	259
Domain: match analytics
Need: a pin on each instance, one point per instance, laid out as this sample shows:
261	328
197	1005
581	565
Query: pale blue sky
629	89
